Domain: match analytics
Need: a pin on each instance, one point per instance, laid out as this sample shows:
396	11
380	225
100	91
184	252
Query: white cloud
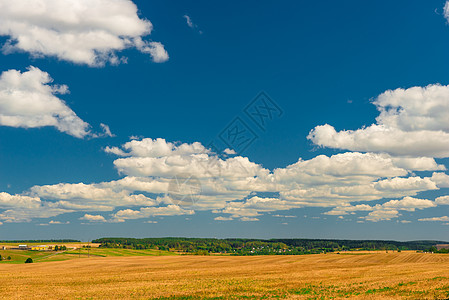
246	219
28	100
446	10
18	201
91	197
229	151
232	186
382	215
83	32
443	200
346	209
106	130
146	212
441	179
412	122
284	216
386	211
46	210
155	49
347	177
409	204
435	219
223	218
93	218
189	21
402	184
254	207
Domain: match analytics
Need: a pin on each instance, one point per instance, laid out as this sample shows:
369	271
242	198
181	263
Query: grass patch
381	290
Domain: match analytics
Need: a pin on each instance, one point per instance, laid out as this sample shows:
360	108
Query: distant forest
262	247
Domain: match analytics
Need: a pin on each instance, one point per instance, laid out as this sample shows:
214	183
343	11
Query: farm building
23	247
40	247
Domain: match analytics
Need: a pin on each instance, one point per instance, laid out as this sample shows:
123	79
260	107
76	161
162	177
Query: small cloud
191	24
93	218
223	219
284	223
150	222
106	130
189	21
404	221
341	217
435	219
229	151
247	219
136	137
283	216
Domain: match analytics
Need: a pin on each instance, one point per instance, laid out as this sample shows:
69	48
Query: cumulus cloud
441	179
233	186
91	197
93	218
254	207
382	215
411	122
347	177
386	211
28	100
146	212
443	200
409	204
87	32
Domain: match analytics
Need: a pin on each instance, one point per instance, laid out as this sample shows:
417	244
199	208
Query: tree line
259	246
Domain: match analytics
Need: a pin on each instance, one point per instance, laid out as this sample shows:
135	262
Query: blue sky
320	63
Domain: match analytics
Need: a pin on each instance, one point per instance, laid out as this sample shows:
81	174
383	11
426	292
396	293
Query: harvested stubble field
322	276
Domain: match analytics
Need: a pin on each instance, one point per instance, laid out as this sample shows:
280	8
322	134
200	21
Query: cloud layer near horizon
233	187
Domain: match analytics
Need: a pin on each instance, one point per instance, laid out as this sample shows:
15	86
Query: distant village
35	247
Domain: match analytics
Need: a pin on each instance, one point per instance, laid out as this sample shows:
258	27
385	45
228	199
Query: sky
261	119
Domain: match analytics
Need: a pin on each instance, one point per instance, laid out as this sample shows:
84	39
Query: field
407	275
19	256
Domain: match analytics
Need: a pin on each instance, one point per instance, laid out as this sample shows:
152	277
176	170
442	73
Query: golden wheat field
404	275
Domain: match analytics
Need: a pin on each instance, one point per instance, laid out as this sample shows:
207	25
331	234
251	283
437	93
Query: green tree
56	248
29	260
8	258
